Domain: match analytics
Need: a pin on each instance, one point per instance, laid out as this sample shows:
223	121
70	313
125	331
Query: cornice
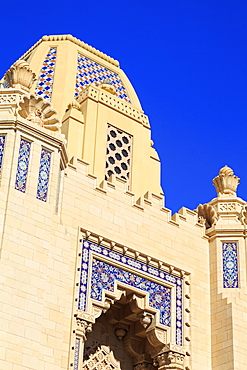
77	42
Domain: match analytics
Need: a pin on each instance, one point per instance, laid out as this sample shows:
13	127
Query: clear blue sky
187	61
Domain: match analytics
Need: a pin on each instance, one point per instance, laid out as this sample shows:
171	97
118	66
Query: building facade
95	272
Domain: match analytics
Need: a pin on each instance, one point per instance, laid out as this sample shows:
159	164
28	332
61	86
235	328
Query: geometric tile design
22	166
230	265
97	275
46	76
44	172
76	356
2	142
104	276
89	72
118	153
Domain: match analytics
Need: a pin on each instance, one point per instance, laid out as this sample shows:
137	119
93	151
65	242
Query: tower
97	273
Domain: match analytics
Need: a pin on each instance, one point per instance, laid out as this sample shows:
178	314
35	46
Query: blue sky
187	61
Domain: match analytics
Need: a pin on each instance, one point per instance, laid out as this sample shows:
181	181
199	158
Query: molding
131	253
77	42
96	94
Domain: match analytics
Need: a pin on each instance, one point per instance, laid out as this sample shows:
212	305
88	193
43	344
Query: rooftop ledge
75	41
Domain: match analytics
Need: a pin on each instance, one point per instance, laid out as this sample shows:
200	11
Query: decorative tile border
46	76
2	143
104	273
44	173
77	351
22	166
230	265
89	72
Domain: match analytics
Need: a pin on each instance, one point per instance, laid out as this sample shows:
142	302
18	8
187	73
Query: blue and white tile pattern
2	143
46	76
104	276
89	72
22	166
230	265
44	173
97	275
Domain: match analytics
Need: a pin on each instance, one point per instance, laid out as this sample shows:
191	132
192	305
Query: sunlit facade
95	272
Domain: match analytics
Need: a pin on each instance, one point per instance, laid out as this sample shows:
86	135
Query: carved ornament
226	182
171	356
243	215
206	215
20	75
39	111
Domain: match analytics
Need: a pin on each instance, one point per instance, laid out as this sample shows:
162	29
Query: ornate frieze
104	276
102	268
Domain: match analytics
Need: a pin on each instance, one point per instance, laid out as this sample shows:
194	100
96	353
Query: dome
64	66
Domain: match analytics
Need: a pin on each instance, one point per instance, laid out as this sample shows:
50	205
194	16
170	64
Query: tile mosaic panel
118	153
76	356
89	72
46	76
230	265
104	273
2	143
44	173
22	166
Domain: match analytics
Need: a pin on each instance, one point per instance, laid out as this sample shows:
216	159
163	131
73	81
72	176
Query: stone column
170	357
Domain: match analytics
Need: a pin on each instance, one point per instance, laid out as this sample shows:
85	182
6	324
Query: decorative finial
226	182
20	75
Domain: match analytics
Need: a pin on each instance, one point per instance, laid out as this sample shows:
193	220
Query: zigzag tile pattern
89	72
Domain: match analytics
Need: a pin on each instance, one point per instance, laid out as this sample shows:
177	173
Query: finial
226	182
20	75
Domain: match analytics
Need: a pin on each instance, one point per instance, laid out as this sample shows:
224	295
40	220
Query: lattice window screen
118	153
102	359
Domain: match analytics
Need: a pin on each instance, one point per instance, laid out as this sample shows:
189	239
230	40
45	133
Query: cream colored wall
40	241
39	250
114	215
36	264
86	132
